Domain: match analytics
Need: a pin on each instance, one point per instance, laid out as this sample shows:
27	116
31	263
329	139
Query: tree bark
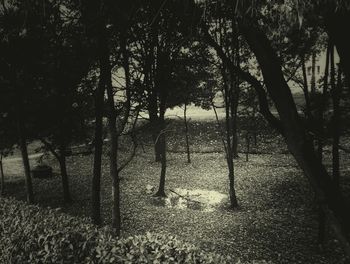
186	135
313	77
323	104
105	71
2	179
162	144
157	144
161	141
25	159
155	125
61	158
64	175
306	89
247	140
234	115
98	143
116	219
296	136
229	123
336	91
334	23
234	89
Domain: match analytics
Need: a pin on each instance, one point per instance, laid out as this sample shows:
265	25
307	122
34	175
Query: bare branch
262	96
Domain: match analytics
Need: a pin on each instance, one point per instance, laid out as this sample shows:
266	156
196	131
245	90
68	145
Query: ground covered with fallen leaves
276	220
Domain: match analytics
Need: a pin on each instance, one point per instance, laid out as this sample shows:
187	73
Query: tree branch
261	93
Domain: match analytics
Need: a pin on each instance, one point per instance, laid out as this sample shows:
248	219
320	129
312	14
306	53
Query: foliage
30	234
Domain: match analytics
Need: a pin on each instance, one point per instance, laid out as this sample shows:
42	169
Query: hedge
30	234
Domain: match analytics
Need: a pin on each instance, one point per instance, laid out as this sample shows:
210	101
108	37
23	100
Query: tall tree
289	123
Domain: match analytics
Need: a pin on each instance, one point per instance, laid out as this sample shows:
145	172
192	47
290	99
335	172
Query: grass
276	220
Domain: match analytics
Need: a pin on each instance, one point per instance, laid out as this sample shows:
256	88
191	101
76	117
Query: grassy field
276	220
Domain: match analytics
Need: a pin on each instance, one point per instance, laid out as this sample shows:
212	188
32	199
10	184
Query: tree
289	123
7	142
21	53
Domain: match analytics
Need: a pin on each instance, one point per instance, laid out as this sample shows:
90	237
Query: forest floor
276	220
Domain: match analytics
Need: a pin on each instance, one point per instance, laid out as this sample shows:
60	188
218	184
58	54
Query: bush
30	234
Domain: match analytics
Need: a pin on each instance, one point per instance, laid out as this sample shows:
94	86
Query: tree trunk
98	144
157	146
229	111
155	123
65	182
105	69
116	219
290	126
336	129
335	22
323	104
255	133
231	175
247	140
186	136
306	89
61	158
2	180
235	92
234	108
296	137
161	188
313	77
156	128
25	159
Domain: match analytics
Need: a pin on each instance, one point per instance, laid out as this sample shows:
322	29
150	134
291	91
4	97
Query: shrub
30	234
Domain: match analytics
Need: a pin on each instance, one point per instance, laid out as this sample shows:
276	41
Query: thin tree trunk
313	77
112	115
230	165
306	88
336	90
2	191
235	92
323	104
92	18
22	139
234	130
228	95
116	219
334	22
186	135
161	188
247	140
25	159
155	125
61	158
98	145
255	134
157	146
65	182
